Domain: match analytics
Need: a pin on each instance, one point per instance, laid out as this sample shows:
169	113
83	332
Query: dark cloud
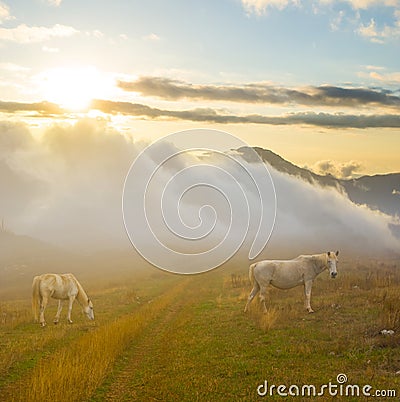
42	108
355	96
333	120
325	95
127	108
209	115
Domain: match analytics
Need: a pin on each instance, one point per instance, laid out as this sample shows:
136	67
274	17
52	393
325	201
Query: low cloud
344	170
325	95
66	186
311	218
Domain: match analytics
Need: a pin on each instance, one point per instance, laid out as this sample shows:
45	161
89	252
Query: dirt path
189	352
148	352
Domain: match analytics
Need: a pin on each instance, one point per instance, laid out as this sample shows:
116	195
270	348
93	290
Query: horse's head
332	263
89	310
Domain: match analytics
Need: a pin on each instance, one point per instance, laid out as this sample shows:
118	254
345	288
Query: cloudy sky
315	81
86	86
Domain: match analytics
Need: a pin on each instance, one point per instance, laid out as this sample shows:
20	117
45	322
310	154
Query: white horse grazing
290	273
61	287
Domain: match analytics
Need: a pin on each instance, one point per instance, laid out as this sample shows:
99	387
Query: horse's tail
35	297
251	273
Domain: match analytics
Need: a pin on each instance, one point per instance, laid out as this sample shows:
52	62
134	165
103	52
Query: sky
86	86
317	82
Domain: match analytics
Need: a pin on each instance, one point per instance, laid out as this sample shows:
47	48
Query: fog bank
66	188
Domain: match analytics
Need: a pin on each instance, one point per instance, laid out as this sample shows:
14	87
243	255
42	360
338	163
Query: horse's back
264	269
50	277
59	286
283	274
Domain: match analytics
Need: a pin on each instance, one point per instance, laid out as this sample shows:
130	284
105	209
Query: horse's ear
337	253
329	253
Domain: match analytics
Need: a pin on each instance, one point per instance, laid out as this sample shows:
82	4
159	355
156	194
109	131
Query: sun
73	88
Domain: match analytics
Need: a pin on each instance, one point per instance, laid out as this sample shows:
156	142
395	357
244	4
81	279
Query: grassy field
173	338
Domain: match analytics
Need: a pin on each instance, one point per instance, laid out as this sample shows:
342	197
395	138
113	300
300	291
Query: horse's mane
82	296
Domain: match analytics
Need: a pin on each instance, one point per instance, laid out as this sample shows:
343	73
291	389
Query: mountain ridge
378	192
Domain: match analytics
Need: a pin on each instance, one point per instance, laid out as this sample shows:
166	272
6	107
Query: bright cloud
341	170
390	78
364	4
74	87
50	49
14	68
55	3
259	7
5	13
376	35
152	37
66	184
33	34
380	74
370	31
367	29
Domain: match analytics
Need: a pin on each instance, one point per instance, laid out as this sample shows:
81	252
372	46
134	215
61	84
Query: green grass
167	337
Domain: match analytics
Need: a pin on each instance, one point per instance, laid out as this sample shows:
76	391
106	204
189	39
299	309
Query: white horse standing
290	273
61	287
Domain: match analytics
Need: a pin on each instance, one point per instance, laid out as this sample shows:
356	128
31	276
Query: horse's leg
252	294
57	317
307	293
43	303
71	301
263	295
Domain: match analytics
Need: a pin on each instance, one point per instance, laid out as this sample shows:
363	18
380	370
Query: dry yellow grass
79	368
211	346
14	313
267	319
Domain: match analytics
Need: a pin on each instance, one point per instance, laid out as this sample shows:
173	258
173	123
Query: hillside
377	191
22	257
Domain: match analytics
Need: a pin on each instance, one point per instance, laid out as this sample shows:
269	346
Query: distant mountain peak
374	191
284	166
